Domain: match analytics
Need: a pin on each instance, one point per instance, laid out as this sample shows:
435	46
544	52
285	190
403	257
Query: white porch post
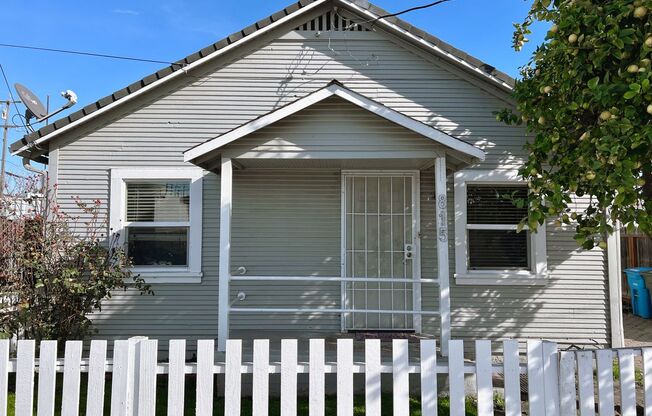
615	288
226	198
442	252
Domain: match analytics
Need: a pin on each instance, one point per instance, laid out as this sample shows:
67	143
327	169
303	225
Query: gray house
322	172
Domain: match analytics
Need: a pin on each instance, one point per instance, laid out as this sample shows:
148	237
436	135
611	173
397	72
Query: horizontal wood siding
202	106
286	223
333	126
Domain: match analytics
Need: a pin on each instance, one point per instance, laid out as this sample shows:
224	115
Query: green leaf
593	82
629	94
635	87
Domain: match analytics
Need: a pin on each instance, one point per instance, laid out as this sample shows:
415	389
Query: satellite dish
35	107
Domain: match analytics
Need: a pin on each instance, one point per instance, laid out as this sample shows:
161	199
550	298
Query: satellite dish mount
36	109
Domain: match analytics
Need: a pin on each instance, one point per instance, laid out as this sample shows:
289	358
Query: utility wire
11	96
425	6
97	55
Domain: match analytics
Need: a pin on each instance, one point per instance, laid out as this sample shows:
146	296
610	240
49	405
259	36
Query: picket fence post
561	383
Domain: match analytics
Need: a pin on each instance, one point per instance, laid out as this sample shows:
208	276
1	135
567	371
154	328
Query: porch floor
303	338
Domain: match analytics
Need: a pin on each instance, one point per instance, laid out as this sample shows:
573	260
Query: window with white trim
489	250
157	215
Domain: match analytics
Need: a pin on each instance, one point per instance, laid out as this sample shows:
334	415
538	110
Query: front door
380	217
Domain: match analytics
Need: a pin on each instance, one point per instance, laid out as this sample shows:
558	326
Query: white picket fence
557	382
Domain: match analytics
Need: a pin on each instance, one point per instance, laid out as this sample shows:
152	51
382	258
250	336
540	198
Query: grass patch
218	403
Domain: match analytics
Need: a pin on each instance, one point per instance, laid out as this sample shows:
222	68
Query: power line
425	6
411	9
11	96
97	55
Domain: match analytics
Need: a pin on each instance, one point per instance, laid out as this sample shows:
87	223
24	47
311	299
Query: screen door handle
409	251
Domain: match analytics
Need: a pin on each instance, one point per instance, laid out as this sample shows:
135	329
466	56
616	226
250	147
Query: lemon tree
585	98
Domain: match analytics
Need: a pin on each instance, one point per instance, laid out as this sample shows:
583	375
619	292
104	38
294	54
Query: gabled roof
393	24
335	88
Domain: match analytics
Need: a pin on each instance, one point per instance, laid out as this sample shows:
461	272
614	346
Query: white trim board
117	207
538	273
335	89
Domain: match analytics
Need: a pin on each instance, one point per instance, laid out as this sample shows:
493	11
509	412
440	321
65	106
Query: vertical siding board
47	371
428	353
96	378
205	376
4	375
512	374
176	377
316	381
25	377
233	377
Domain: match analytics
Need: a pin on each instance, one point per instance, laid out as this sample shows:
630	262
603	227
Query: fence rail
558	382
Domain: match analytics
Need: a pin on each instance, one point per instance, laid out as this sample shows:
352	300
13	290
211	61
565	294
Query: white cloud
126	11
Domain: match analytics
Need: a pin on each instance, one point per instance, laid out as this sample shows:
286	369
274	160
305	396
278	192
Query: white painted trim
416	261
442	235
348	95
53	171
245	278
538	253
117	218
615	289
330	310
226	207
420	41
490	280
342	248
175	74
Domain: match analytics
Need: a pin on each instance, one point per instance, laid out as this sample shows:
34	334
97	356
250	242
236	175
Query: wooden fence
558	382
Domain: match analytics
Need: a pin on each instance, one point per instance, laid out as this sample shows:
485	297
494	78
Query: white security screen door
380	216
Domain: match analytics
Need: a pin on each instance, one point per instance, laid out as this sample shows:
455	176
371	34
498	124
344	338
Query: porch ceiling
413	146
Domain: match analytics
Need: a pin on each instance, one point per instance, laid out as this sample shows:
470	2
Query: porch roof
210	149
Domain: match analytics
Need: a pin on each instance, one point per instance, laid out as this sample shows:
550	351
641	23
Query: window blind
494	204
499	247
159	201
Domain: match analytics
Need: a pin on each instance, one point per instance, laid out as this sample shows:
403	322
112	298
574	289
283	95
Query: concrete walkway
638	331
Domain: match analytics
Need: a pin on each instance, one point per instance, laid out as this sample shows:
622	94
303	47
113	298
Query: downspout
27	165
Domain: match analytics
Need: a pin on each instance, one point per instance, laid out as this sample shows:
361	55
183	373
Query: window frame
536	275
117	213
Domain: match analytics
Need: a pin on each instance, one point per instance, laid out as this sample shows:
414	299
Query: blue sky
171	29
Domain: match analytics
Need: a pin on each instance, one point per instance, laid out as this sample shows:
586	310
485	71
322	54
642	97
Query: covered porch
334	221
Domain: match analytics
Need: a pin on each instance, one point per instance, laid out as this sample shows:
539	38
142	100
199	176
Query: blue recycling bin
640	294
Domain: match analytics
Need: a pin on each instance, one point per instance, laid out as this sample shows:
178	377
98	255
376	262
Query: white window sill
501	279
163	277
